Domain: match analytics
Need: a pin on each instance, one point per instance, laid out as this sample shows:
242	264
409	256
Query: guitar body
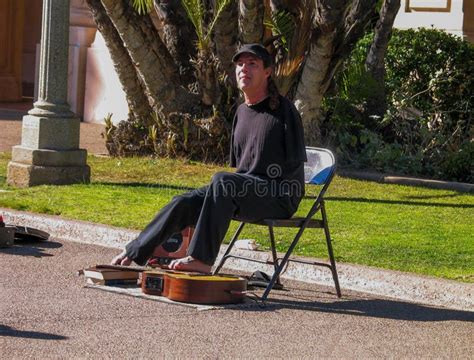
153	282
194	288
204	289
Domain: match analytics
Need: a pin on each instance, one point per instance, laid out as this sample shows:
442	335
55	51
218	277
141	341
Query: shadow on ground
313	300
9	331
393	202
145	185
28	247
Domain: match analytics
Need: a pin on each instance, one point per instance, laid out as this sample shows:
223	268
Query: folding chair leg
229	248
282	264
274	253
330	252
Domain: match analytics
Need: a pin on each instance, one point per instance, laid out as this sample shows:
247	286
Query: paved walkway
91	139
10	129
47	313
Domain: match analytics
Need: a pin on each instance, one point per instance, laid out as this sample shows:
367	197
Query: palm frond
288	68
281	23
195	11
220	6
142	7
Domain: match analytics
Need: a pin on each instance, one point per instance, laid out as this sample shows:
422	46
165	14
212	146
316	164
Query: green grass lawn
413	229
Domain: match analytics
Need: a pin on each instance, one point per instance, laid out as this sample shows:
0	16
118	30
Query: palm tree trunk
251	21
152	60
178	35
137	101
225	39
339	23
313	83
383	31
355	23
206	74
375	61
276	5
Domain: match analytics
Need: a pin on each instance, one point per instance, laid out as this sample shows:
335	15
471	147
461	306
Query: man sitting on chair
267	148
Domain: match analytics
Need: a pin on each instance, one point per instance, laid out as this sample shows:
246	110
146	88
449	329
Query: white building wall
438	14
104	93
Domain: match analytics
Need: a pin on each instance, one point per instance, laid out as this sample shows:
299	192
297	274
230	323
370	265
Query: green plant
289	41
142	6
125	138
196	13
458	164
282	25
430	96
195	9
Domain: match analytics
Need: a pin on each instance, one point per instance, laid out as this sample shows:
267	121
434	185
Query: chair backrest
319	170
320	167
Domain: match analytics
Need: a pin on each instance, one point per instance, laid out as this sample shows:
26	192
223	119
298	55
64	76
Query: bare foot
121	259
190	264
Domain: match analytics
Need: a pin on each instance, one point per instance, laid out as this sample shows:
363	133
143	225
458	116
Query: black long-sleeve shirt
268	143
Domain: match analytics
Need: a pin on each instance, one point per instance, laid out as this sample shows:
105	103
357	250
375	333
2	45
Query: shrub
427	129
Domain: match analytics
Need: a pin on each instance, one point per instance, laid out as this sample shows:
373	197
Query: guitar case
11	233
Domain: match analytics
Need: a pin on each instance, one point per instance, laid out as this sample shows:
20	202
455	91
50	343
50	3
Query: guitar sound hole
173	243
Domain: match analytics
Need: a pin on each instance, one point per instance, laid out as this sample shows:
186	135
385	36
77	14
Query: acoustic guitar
195	288
190	287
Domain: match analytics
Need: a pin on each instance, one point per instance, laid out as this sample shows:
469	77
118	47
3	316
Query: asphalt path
46	312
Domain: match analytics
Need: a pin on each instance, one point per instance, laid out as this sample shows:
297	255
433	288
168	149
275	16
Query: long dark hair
274	94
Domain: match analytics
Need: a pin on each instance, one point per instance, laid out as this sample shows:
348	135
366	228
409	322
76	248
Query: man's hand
121	259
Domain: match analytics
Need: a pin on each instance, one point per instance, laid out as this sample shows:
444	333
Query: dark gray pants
210	209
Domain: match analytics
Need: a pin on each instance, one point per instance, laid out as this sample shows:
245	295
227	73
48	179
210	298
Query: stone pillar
49	152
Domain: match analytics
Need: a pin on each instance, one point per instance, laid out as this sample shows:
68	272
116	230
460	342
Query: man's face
251	74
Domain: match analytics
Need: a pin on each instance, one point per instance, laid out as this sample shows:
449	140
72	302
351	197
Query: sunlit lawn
405	228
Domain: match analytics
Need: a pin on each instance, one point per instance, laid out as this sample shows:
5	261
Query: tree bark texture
355	24
225	39
150	56
313	84
206	66
288	65
334	27
276	5
178	35
375	61
338	24
251	21
137	102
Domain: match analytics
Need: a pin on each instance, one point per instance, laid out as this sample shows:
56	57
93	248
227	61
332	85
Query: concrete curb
410	181
393	284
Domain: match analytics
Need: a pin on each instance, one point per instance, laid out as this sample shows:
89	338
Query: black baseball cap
256	49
